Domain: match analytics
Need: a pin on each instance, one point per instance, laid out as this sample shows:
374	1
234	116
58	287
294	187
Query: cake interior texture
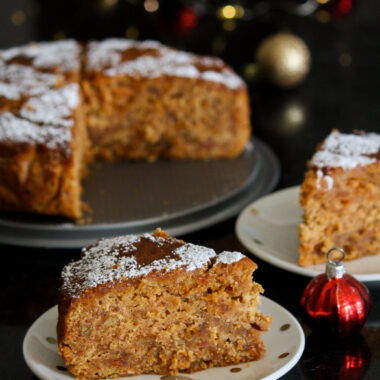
340	197
64	105
170	307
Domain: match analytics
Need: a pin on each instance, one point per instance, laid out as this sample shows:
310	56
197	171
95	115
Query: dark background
341	91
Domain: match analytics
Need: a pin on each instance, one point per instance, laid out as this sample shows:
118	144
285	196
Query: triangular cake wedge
155	304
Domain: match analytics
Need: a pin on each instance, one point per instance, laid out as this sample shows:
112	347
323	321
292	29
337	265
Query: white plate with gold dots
284	342
268	228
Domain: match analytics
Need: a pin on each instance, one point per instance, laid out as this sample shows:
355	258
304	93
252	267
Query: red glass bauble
335	302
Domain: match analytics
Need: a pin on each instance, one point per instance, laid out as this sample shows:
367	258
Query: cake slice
42	131
144	100
340	196
154	304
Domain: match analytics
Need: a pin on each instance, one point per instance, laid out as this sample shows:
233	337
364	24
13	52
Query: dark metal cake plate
135	197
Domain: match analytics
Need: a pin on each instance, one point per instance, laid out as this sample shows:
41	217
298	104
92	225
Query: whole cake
154	304
340	197
63	105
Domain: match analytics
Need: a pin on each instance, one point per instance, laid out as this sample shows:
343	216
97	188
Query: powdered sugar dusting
15	129
18	80
58	54
347	150
103	262
53	107
108	54
226	77
229	257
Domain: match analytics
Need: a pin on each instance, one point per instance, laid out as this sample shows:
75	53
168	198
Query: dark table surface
339	92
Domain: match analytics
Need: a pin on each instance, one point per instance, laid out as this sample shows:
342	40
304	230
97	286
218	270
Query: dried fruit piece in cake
154	304
340	197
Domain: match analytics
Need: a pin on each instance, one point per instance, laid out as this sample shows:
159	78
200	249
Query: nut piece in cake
340	196
155	304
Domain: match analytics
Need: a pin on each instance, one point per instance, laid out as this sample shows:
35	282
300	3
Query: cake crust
176	307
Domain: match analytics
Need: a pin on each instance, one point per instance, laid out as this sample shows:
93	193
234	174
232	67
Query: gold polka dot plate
284	341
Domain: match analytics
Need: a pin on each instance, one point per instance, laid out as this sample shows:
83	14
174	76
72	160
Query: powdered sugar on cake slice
347	150
108	55
344	151
103	262
227	257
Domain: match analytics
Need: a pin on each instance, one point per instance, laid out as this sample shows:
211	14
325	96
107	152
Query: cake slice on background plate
340	196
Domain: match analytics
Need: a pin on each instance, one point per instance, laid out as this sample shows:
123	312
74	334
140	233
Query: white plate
268	228
284	348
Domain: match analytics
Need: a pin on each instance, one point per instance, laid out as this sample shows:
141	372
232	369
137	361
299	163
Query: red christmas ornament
334	301
187	20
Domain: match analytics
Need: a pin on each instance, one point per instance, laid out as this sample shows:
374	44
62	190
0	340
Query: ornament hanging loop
329	254
335	268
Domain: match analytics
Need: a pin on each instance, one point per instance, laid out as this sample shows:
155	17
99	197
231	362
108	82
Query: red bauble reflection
335	359
187	20
339	305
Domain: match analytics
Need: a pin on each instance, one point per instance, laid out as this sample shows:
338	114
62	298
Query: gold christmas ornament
283	59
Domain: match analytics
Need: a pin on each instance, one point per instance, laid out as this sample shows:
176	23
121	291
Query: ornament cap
335	268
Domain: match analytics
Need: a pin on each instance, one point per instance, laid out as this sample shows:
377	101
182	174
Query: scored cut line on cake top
103	262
